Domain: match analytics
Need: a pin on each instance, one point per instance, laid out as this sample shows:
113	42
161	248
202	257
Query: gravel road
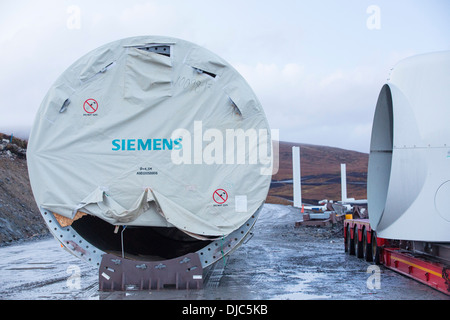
280	262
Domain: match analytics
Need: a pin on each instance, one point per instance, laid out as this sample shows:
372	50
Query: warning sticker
220	196
90	106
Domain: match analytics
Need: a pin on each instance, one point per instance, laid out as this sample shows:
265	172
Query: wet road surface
279	262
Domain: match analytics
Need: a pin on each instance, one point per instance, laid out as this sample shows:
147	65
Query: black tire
375	249
350	242
367	247
358	244
346	239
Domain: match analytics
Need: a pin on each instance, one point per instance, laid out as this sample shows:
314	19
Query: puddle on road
303	290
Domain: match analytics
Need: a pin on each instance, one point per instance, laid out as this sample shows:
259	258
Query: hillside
320	172
19	216
320	168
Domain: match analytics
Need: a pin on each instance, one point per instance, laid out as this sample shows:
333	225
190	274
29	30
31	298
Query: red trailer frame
361	240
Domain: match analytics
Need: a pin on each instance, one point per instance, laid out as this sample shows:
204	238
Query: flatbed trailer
427	263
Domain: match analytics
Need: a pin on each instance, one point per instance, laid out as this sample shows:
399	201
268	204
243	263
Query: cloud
333	109
315	67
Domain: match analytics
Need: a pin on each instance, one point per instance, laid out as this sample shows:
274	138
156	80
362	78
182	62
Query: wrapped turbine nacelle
409	163
154	133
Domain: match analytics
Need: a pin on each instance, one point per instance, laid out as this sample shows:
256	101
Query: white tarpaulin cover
148	131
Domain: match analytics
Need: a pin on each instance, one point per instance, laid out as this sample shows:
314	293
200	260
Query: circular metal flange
72	241
79	247
218	249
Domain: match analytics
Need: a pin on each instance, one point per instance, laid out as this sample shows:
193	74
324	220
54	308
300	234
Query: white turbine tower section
343	183
151	183
296	177
408	183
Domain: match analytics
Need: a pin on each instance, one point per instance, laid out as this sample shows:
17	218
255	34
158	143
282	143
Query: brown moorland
320	174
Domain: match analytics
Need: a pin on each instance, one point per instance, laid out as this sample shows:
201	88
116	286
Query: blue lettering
178	145
145	146
130	144
116	145
168	144
156	144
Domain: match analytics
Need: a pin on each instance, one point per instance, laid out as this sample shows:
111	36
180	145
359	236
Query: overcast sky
316	66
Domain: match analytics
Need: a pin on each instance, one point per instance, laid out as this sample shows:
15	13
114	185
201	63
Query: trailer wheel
367	247
375	249
358	244
350	243
346	242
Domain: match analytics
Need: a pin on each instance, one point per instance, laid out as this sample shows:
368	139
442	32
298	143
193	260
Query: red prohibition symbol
90	106
220	196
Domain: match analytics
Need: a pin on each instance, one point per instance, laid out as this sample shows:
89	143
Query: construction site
181	210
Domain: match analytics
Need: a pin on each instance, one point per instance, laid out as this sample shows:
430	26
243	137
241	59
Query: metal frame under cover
74	243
